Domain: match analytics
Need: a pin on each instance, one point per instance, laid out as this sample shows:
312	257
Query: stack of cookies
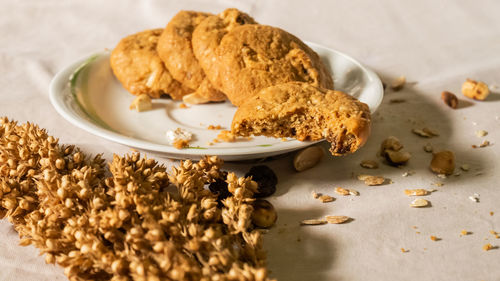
280	85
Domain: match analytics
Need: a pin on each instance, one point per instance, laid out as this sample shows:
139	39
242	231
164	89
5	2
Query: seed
416	192
369	164
425	132
326	198
475	90
449	99
313	222
265	178
341	191
428	148
308	158
443	162
337	219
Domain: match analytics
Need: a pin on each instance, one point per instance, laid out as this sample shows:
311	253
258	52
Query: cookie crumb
492	213
226	136
183	105
372	180
434	238
487	247
214	127
403	250
180	143
464	232
179	137
438	184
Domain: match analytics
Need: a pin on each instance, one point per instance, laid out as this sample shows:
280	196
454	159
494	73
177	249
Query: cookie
209	33
174	48
252	57
307	113
138	67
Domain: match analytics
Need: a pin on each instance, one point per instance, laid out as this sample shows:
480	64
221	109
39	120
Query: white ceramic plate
87	94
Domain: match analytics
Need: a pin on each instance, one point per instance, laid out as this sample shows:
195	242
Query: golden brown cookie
138	67
252	57
305	112
209	33
174	48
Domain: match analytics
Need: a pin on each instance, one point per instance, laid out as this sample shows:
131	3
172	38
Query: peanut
443	162
449	99
308	158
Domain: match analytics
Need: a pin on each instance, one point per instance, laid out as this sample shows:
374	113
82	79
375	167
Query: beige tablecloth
435	44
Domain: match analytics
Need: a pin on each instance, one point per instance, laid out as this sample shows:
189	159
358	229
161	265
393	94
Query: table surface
435	44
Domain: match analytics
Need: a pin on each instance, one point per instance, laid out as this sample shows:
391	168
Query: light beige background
435	44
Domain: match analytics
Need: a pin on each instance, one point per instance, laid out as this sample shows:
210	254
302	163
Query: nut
449	99
194	98
443	162
481	133
263	214
398	83
397	157
141	103
475	90
390	149
419	203
308	158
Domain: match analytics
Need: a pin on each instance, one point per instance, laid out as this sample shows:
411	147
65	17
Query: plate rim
62	78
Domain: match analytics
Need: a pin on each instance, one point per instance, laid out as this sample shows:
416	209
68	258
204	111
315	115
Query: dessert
138	67
251	57
305	112
175	50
